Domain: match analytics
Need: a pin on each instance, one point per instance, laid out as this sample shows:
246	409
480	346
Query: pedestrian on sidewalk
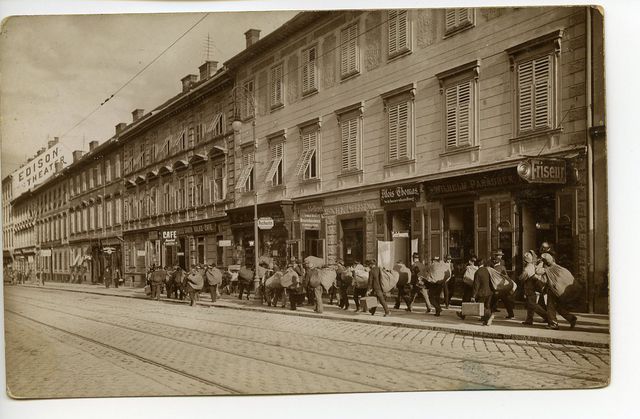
375	286
404	288
343	280
158	276
504	295
450	283
556	303
295	289
483	291
360	283
214	278
106	277
467	279
418	283
533	287
195	283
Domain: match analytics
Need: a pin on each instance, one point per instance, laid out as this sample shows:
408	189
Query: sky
57	69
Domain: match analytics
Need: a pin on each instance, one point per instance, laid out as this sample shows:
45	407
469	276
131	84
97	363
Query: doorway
459	233
352	240
399	229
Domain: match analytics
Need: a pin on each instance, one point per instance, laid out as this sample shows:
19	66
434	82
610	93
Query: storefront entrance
459	232
352	240
399	230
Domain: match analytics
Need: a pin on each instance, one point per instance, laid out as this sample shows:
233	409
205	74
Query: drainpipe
590	201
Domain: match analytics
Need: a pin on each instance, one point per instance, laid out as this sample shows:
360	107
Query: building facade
451	131
7	222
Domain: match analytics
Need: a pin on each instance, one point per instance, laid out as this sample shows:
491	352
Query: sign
396	234
141	253
476	182
265	223
224	243
45	252
169	237
400	193
310	221
108	250
40	168
153	235
180	253
543	171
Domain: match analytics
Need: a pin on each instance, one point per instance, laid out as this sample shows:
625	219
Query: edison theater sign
39	169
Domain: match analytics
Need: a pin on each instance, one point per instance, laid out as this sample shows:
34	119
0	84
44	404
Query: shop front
506	209
274	243
402	222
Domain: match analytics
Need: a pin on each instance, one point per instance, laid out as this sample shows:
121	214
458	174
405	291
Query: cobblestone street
62	344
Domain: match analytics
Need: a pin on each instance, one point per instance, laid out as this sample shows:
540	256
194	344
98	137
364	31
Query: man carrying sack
375	287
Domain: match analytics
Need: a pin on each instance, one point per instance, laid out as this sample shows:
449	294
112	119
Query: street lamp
247	99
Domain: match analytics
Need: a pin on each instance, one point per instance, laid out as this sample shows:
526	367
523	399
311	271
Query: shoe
396	307
459	314
408	309
490	320
510	317
437	314
573	322
552	327
385	314
528	323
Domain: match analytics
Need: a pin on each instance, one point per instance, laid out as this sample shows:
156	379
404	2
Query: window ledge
277	107
310	93
310	181
459	150
246	194
349	76
398	55
349	173
400	162
277	188
537	133
458	29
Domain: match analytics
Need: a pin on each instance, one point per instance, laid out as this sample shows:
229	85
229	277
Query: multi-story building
25	240
177	172
94	184
451	131
7	222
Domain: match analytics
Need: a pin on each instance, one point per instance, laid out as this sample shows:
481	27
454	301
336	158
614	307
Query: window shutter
345	145
309	70
393	32
403	31
464	113
450	19
464	16
393	132
525	96
542	89
353	143
451	115
353	52
305	72
344	53
403	130
349	50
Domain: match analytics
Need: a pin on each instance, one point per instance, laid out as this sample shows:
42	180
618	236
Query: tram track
377	365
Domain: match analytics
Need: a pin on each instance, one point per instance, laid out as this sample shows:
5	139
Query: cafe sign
169	237
399	194
543	171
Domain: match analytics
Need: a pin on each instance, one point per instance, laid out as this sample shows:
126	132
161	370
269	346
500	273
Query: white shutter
276	85
403	129
393	131
464	113
451	116
450	20
525	96
309	70
393	32
542	88
345	146
353	143
349	50
403	30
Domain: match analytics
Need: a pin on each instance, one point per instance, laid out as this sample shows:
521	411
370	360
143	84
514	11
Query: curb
365	320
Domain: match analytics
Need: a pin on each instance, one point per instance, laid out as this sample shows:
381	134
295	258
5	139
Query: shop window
309	70
482	230
534	73
505	232
349	51
277	86
399	34
435	232
245	180
276	166
458	19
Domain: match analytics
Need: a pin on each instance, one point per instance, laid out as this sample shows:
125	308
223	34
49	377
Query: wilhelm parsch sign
39	169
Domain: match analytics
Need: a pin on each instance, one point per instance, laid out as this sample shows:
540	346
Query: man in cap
483	291
417	284
343	280
375	286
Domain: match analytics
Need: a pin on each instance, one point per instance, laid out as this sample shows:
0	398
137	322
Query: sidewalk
591	329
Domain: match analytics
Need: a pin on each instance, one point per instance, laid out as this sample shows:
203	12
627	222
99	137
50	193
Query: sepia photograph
283	202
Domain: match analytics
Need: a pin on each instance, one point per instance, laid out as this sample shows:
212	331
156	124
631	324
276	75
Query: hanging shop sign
108	250
400	234
224	243
169	237
400	193
310	221
543	171
265	223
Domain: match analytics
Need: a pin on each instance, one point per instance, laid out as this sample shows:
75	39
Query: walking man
483	292
417	284
158	276
375	286
343	280
532	284
214	278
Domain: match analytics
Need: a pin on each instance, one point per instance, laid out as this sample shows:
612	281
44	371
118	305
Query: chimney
58	166
208	69
93	144
120	127
77	155
53	142
188	81
137	114
252	36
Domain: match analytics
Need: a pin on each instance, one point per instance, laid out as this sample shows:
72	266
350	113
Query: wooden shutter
393	32
403	129
542	92
393	132
465	101
398	32
309	70
276	85
450	20
349	140
451	116
349	50
483	223
525	96
344	133
435	230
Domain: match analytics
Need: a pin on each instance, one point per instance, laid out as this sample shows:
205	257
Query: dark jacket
374	279
482	283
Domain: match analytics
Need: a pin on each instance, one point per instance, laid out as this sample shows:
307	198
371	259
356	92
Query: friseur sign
40	168
543	171
400	193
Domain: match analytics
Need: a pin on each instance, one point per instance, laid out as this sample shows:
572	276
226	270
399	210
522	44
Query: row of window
55	229
92	217
534	105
